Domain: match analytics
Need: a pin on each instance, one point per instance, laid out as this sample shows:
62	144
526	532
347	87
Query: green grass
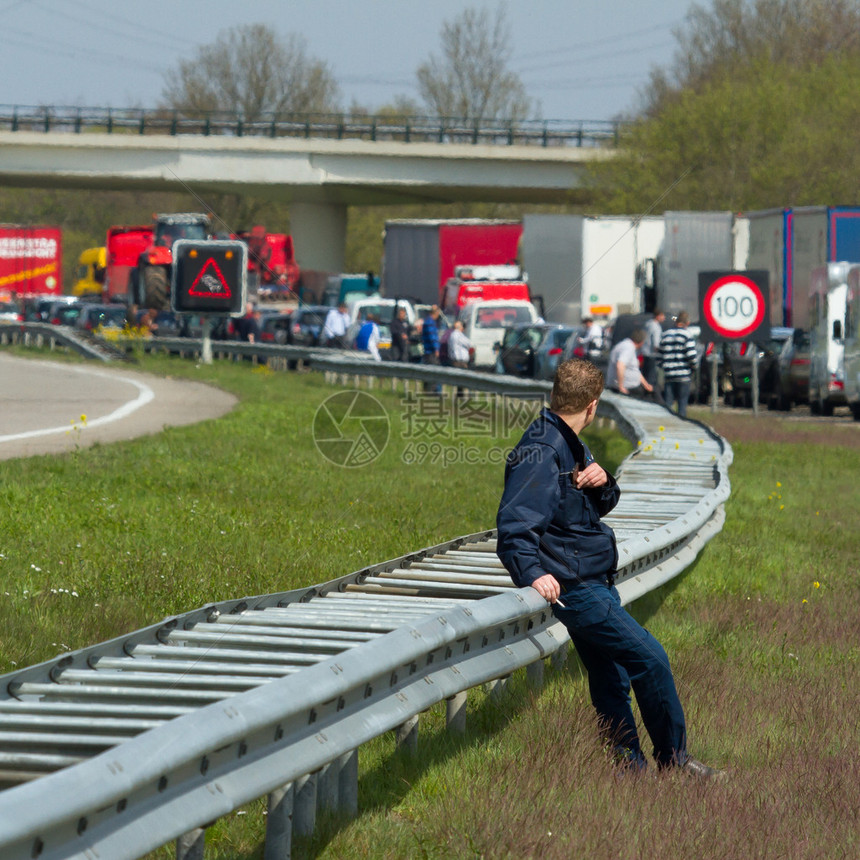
762	630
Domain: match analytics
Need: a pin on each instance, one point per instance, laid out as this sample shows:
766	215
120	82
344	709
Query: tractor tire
156	288
855	410
826	408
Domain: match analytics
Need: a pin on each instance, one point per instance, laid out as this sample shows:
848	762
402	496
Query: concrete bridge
319	177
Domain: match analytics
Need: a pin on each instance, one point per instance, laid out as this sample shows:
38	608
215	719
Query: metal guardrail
187	720
334	126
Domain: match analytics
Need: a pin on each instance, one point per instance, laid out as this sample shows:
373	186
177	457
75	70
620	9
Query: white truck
851	341
484	323
586	265
828	297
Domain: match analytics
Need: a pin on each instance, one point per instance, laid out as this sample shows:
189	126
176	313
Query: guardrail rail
116	749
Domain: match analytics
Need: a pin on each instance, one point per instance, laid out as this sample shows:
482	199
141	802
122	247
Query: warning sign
210	283
209	277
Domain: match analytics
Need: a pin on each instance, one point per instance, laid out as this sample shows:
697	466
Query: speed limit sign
734	305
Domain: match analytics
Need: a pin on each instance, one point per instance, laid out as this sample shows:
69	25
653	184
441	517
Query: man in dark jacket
550	537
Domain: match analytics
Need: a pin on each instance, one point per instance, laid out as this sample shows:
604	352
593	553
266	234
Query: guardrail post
559	657
534	674
327	786
190	845
348	784
305	805
406	735
497	687
279	823
455	713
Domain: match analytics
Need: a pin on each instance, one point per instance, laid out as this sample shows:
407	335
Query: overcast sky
582	59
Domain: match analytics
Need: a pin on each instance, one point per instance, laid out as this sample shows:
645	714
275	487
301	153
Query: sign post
210	278
735	307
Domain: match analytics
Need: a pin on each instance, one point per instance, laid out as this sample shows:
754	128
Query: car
306	324
9	312
64	313
92	317
595	349
276	328
532	350
737	363
793	365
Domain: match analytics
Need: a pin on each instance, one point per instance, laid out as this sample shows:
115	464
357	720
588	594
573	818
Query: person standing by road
677	356
430	342
335	326
458	346
367	339
551	538
650	349
623	373
400	336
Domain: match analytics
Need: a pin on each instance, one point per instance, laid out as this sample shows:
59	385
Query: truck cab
828	294
483	283
484	323
851	342
151	280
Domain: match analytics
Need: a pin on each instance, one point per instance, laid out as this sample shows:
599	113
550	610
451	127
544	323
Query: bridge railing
335	126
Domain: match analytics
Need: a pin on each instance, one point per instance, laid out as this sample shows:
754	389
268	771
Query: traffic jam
773	328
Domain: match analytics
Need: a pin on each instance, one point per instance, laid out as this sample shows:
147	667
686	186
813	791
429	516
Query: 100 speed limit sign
734	305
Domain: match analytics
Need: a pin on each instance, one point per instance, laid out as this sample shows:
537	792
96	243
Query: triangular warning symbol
210	283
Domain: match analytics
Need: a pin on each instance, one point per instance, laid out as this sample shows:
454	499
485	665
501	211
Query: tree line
757	109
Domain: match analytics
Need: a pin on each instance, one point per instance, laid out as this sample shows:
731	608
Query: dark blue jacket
430	335
545	524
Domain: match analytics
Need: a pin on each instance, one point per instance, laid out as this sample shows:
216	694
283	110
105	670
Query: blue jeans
678	389
618	653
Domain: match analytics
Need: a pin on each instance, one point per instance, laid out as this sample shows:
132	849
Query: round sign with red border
734	306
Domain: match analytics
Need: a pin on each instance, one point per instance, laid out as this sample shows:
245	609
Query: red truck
31	260
420	256
124	247
482	284
272	268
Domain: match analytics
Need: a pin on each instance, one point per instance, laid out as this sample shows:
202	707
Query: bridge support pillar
319	233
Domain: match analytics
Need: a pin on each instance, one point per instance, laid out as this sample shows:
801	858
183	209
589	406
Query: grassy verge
761	631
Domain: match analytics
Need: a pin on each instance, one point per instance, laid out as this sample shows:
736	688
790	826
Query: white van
851	341
383	310
828	295
484	323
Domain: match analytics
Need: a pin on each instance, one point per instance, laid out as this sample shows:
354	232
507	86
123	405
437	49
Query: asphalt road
42	404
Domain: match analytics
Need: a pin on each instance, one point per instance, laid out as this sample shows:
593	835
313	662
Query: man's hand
547	587
593	475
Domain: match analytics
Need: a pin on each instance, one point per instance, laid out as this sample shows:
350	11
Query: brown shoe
697	769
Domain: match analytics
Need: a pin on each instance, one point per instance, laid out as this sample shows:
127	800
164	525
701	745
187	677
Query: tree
471	78
762	135
733	33
249	72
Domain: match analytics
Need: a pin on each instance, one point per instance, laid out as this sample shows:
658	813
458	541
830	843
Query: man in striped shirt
677	357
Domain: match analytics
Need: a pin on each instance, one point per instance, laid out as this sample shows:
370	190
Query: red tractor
150	280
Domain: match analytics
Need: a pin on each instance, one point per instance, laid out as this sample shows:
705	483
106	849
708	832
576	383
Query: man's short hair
577	382
638	335
683	318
